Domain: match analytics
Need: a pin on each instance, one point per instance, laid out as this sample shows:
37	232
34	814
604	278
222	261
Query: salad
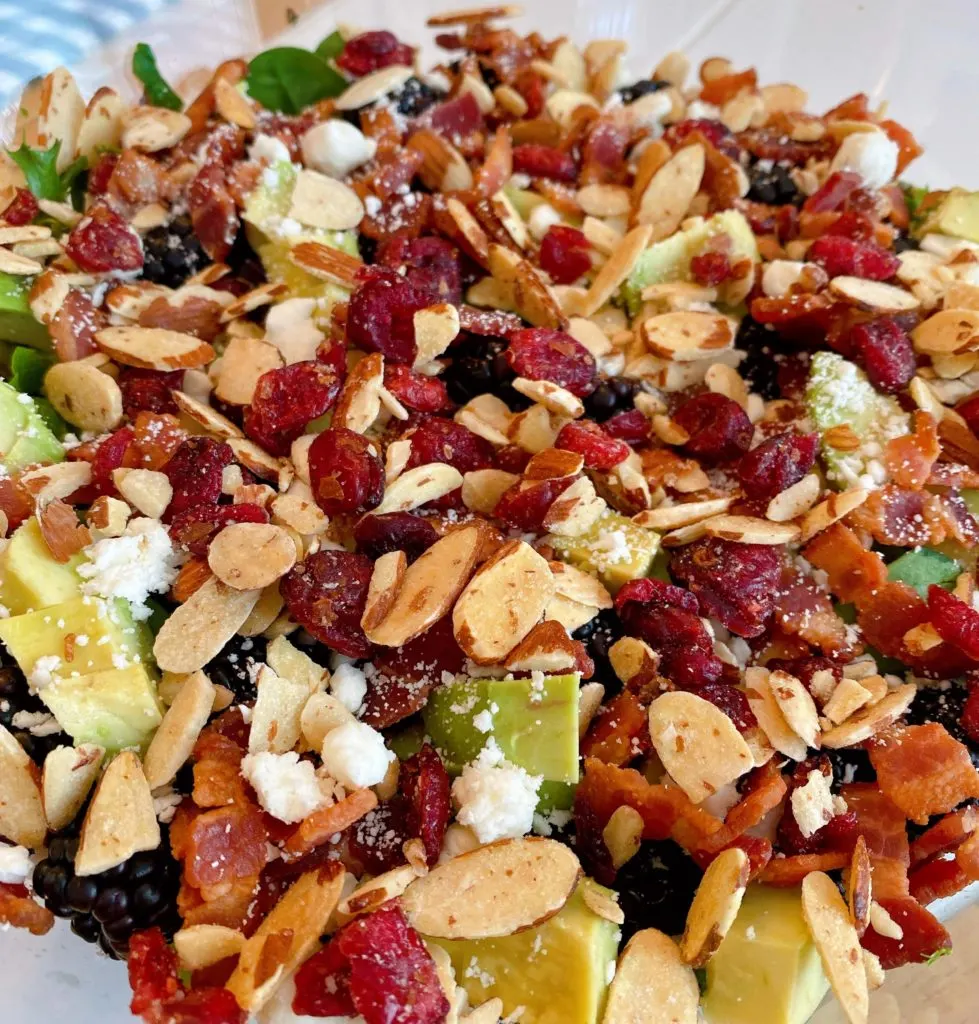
492	543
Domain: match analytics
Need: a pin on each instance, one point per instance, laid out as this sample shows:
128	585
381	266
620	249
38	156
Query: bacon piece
603	152
901	517
923	933
937	879
854	571
759	853
946	835
213	211
910	458
620	731
18	910
217	772
803	610
719	90
764	790
908	146
223	846
923	770
74	325
785	872
321	825
230	908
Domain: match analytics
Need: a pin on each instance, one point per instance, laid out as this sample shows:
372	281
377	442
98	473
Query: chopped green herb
40	167
331	47
289	79
938	954
158	92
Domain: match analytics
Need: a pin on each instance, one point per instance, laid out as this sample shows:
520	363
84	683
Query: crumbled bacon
18	910
619	733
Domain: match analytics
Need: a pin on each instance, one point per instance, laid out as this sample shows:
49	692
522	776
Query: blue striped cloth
38	35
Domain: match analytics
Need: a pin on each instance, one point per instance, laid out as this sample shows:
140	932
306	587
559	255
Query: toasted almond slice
232	105
576	510
66	779
48	294
262	295
148	491
751	530
670	192
873	295
571	614
321	713
605	200
153	348
360	401
858	886
762	702
23	233
836	939
174	740
830	511
631	657
266	611
546	648
375	892
531	297
251	556
430	588
323	202
20	266
386	581
687	335
443	167
473	15
373	87
674	516
698	744
794	501
471	896
56	482
327	263
436	327
120	819
502	602
287	937
554	398
949	331
510	100
483	488
615	270
715	906
920	639
470	230
511	220
299	514
870	720
21	809
201	945
101	125
419	486
848	696
797	706
685	534
201	626
578	585
60	112
553	464
599	902
150	129
84	396
652	984
277	715
203	415
623	834
533	430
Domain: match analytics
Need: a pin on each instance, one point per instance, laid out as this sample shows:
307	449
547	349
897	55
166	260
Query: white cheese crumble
336	148
495	798
37	723
542	218
355	755
140	562
872	155
15	865
268	149
349	685
285	786
484	720
165	803
43	672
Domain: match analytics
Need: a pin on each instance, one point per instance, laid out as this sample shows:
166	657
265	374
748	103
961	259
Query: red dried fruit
23	208
379	317
731	701
197	526
885	351
210	1005
542	353
715	133
326	594
425	785
970	714
833	193
442	440
838	256
457	118
194	472
394	531
432	265
710	268
544	162
286	400
955	621
524	508
533	89
323	985
103	241
371	51
719	428
804	668
109	456
852	224
345	472
777	463
512	458
603	154
564	254
734	583
152	967
148	390
923	934
101	172
588	439
630	426
416	391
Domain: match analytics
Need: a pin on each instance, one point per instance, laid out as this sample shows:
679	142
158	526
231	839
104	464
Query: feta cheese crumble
43	672
349	685
494	797
15	865
355	755
286	787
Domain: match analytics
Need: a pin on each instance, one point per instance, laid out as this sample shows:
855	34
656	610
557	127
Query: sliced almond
373	87
576	510
770	718
287	937
672	517
56	482
436	327
473	15
201	945
652	984
243	362
858	886
430	588
687	335
797	706
511	220
715	905
21	809
148	491
101	126
531	297
419	486
836	939
386	581
66	780
327	263
670	192
443	168
546	648
555	399
153	348
848	696
174	740
360	401
483	488
120	821
615	270
375	892
623	834
697	743
873	295
533	430
250	556
150	129
553	464
23	233
870	720
605	200
20	266
84	396
502	602
947	332
751	530
204	416
794	501
299	514
232	105
197	630
59	117
48	294
263	615
324	202
277	714
830	511
510	100
470	231
471	896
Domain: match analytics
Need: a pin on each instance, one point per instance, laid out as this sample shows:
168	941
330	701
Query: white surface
917	54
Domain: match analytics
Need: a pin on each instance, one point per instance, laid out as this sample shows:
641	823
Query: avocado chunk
767	967
29	577
117	709
669	260
615	550
17	323
957	214
922	567
272	233
25	438
837	393
558	972
535	725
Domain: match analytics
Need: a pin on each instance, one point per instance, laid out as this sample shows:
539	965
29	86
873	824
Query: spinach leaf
921	567
331	47
158	92
52	418
27	369
289	79
41	171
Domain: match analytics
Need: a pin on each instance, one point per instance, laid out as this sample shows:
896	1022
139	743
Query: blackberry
235	666
656	888
598	636
415	97
479	367
172	253
108	907
15	696
850	764
645	86
367	247
943	703
612	395
760	366
490	77
902	243
772	184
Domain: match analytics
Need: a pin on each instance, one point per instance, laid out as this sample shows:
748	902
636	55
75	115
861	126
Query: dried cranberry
512	458
734	583
210	1005
714	131
286	400
710	268
416	391
196	527
524	508
395	531
969	411
955	621
109	456
194	471
148	390
441	440
345	472
833	193
323	985
970	714
152	966
599	449
630	426
380	315
838	256
852	224
432	265
777	463
371	51
100	173
564	254
424	782
103	241
326	593
804	668
885	351
731	701
458	117
542	353
719	428
658	593
544	162
23	208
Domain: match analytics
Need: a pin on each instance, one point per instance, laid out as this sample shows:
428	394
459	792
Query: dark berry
656	888
415	97
772	184
479	367
611	395
598	636
760	366
172	253
645	86
235	667
943	703
904	243
15	696
850	764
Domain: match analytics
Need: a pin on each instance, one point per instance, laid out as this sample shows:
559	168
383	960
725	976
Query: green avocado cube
921	567
615	550
25	439
957	215
17	323
558	972
767	967
29	577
